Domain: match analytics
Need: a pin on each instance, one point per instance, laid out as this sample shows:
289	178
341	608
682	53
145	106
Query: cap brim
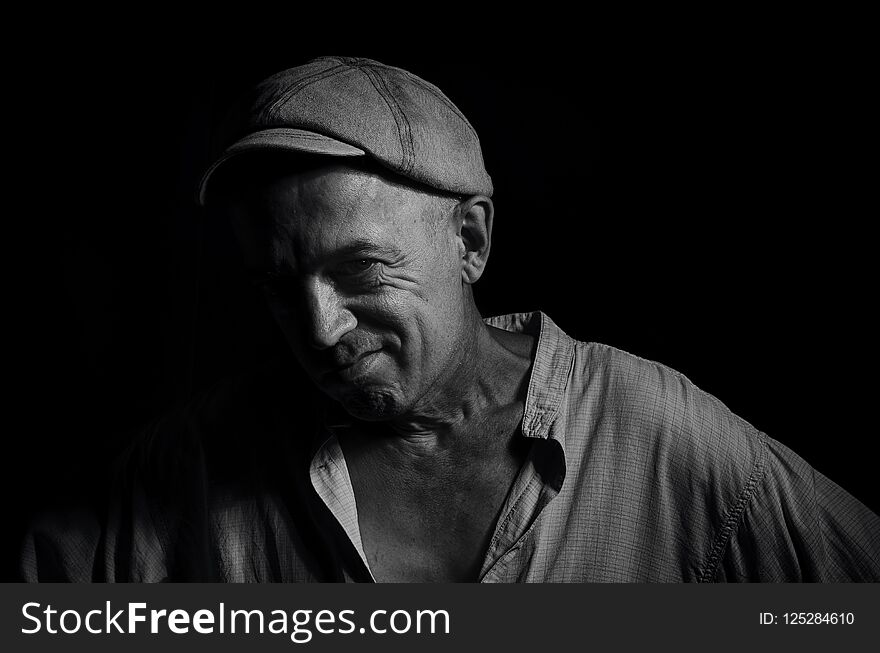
280	139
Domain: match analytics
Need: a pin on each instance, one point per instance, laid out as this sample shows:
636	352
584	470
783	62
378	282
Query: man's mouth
350	368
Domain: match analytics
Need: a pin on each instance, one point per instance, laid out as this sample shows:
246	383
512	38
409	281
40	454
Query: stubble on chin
370	406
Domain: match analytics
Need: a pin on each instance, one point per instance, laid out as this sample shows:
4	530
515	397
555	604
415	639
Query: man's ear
475	232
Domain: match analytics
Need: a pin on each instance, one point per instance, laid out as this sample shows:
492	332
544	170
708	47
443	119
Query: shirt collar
550	372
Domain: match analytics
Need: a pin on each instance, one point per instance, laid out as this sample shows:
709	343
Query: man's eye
358	266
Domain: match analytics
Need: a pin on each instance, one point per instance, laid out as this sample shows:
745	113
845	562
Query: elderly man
442	446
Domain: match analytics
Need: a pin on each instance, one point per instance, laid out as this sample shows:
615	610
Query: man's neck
487	377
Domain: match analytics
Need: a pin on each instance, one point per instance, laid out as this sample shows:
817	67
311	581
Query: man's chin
371	406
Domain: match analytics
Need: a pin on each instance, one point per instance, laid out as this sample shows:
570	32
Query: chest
431	523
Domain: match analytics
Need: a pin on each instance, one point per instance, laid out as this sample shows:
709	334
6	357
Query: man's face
364	278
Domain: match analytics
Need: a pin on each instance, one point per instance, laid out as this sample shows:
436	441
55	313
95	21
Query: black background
701	201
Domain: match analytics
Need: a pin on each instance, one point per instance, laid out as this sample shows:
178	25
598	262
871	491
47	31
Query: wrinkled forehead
321	210
332	197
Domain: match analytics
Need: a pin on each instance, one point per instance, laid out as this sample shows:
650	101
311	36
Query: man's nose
327	318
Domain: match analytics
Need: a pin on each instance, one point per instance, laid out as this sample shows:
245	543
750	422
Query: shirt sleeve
799	526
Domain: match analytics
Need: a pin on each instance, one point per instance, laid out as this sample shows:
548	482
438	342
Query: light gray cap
352	107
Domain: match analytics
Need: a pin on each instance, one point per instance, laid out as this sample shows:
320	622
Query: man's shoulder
656	414
632	407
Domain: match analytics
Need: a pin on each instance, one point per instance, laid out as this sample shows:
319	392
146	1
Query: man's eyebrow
360	247
354	248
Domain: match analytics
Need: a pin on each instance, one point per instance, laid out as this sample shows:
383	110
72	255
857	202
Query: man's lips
343	365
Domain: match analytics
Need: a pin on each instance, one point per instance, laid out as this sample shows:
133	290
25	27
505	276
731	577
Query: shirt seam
734	515
502	527
514	548
819	528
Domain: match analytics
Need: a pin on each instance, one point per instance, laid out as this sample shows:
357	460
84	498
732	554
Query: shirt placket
529	497
332	482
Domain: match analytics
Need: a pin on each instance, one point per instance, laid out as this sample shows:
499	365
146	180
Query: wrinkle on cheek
399	278
390	306
405	282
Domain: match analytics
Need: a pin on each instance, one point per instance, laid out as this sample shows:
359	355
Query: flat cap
348	107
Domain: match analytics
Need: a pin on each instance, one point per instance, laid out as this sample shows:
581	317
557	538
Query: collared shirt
633	475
